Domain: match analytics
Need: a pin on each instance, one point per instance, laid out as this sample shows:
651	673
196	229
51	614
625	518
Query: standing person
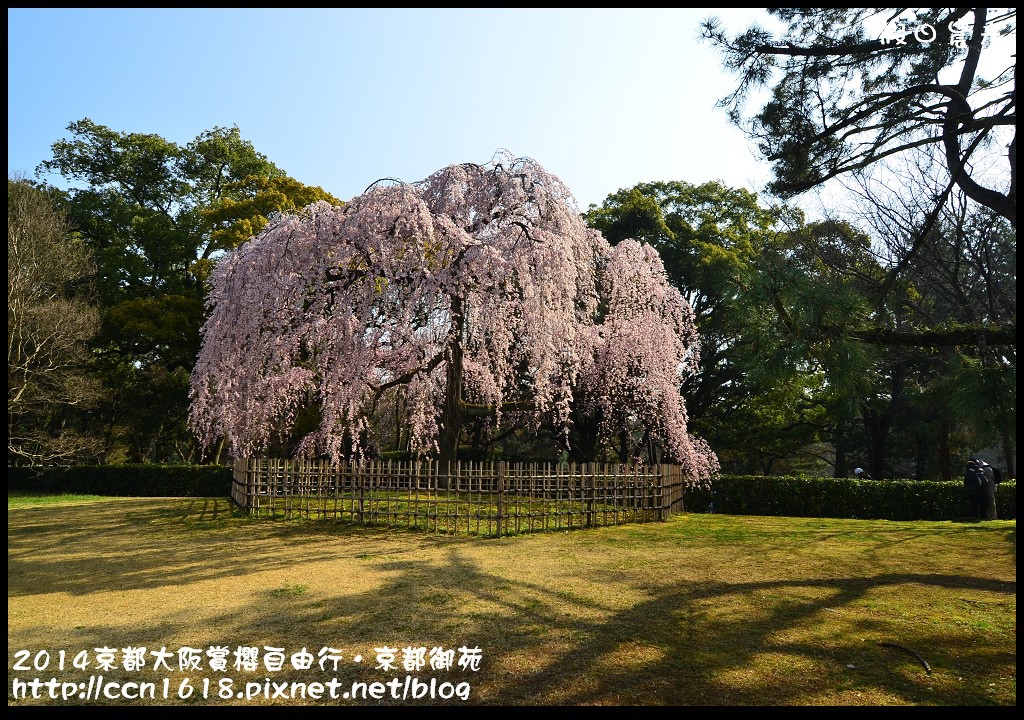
979	490
990	477
861	474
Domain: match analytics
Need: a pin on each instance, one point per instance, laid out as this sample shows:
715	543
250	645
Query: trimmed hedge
125	480
843	498
730	494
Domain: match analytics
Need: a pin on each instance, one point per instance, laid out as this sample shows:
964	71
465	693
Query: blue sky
342	97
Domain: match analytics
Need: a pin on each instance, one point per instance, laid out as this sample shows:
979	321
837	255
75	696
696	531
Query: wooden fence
488	498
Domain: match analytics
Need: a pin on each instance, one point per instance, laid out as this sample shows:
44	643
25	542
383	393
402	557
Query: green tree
957	315
841	101
812	352
966	281
157	215
809	302
712	239
910	374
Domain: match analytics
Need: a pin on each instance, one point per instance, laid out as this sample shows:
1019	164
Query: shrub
843	498
125	480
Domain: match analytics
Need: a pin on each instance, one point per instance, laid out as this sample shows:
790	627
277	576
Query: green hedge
843	498
730	494
125	480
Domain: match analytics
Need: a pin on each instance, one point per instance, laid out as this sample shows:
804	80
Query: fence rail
482	498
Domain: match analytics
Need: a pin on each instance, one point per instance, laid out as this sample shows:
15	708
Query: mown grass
707	610
30	499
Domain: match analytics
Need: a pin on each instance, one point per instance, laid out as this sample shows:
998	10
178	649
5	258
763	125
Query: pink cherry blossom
480	286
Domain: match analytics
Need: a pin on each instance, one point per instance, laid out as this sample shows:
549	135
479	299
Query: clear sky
342	97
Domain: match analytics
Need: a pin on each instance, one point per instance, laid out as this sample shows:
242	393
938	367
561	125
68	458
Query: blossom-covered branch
475	290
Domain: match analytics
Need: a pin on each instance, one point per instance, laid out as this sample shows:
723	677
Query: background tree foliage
774	375
842	100
712	239
476	292
50	320
961	310
883	335
156	216
806	363
926	142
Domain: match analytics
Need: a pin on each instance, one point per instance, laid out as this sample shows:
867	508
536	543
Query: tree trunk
945	461
220	449
452	416
623	447
582	442
1008	454
842	468
877	425
921	461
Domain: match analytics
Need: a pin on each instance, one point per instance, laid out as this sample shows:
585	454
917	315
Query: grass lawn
701	610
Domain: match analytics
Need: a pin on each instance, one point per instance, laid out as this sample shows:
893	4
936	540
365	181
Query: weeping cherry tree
478	291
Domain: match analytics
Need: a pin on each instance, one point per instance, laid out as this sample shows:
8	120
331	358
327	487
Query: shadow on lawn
671	649
691	642
147	544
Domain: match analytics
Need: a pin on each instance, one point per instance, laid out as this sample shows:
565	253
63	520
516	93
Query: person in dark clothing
980	491
990	476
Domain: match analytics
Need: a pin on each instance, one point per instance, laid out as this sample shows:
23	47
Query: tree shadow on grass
140	544
604	635
672	648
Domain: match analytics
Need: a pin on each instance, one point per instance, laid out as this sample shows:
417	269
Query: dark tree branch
996	335
471	410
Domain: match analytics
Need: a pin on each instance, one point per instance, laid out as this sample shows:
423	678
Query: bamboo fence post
501	492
